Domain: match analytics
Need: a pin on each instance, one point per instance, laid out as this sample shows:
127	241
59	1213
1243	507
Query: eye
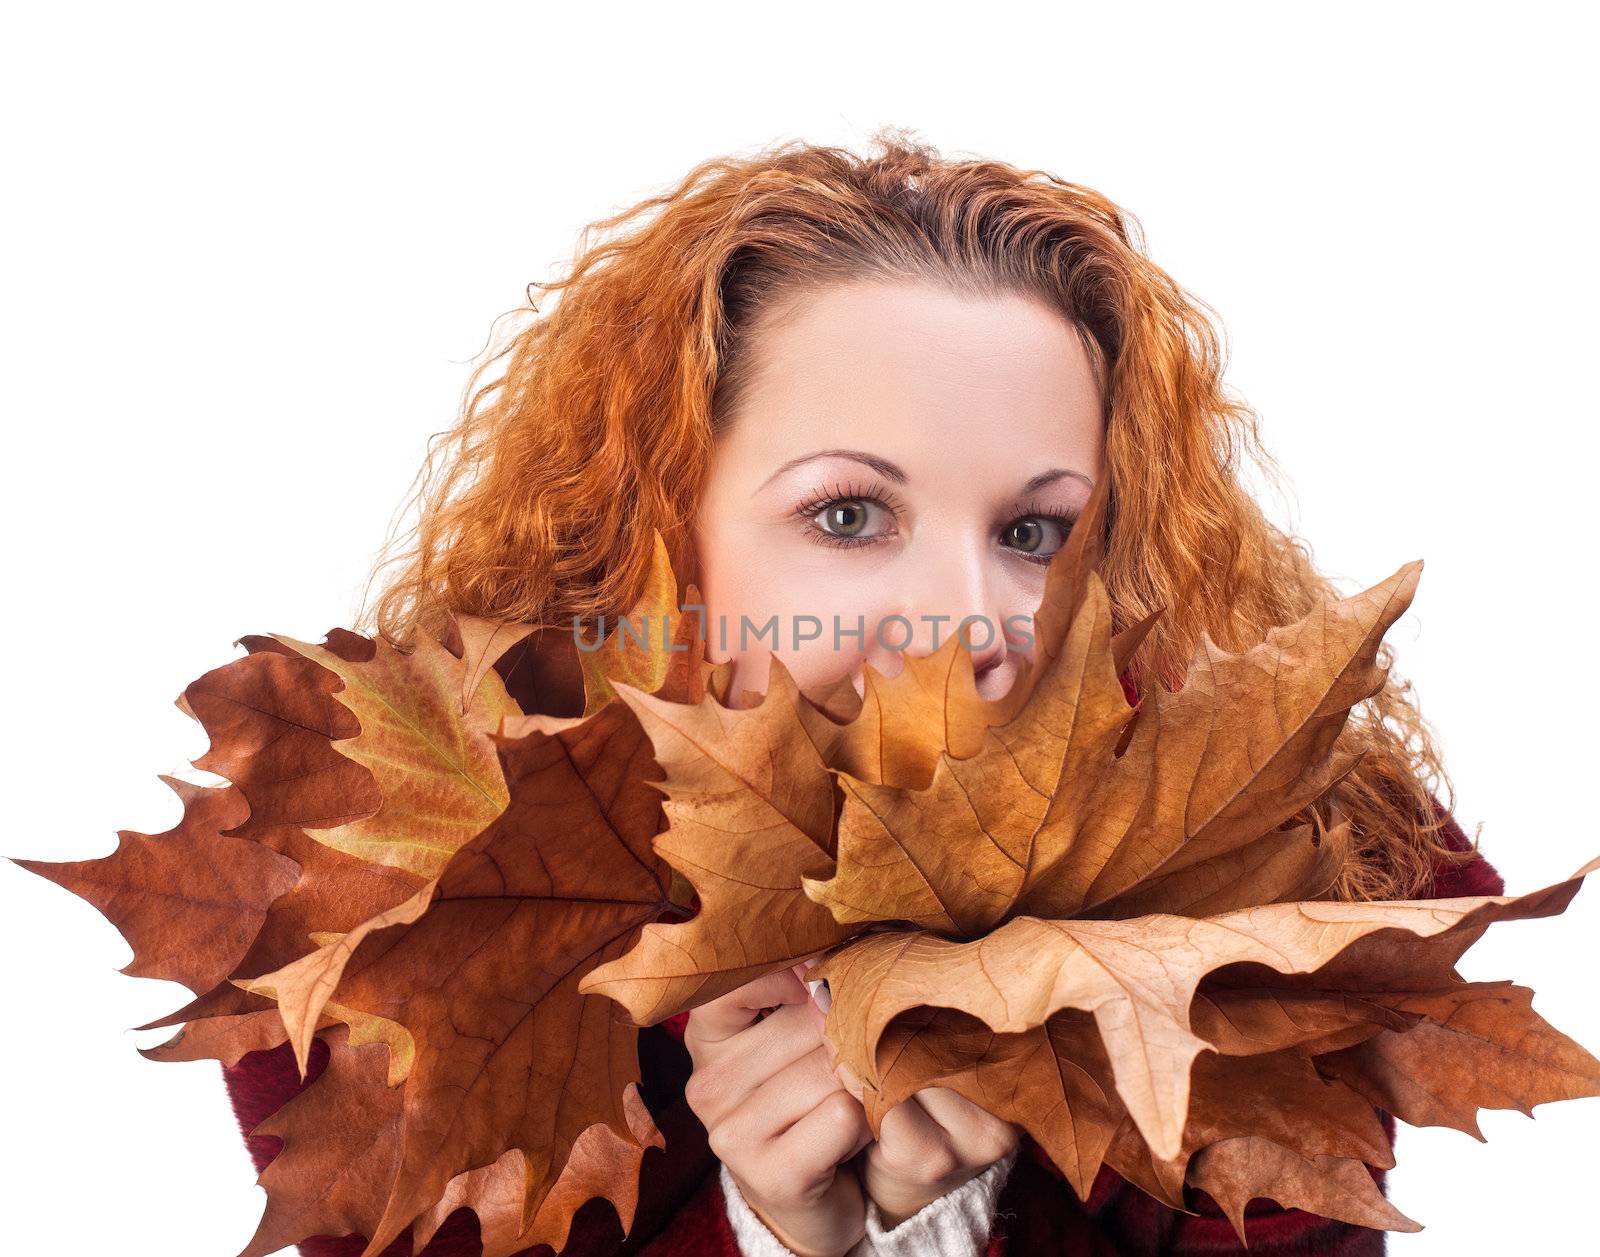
850	521
1037	537
845	517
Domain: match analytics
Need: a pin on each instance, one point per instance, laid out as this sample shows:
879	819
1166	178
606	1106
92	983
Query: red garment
681	1211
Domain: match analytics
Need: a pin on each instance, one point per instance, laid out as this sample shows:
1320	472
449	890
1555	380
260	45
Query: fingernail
820	994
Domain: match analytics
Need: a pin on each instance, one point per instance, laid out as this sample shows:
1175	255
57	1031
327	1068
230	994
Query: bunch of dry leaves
1110	924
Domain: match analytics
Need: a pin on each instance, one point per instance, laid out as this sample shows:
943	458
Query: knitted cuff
955	1225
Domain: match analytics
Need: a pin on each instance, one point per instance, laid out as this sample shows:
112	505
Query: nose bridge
950	578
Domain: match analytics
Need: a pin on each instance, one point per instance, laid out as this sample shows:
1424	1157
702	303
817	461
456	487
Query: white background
250	251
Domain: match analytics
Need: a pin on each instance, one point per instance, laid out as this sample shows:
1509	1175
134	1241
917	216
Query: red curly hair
594	422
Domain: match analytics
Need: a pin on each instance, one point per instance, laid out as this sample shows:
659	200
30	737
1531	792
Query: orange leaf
750	806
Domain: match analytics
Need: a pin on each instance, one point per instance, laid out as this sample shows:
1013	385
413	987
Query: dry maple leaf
1285	1023
508	1055
296	728
405	864
648	649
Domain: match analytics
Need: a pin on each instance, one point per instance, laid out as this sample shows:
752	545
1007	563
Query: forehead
921	370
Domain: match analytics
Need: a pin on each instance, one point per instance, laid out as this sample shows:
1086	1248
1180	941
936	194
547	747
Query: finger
975	1135
967	1121
808	1170
850	1080
912	1144
728	1014
953	1111
726	1073
782	1100
830	1134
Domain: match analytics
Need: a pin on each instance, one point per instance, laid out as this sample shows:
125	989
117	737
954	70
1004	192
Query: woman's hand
777	1115
928	1145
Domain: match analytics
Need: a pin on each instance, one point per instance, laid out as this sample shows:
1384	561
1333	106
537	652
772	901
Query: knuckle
727	1144
691	1035
899	1159
996	1145
700	1089
841	1111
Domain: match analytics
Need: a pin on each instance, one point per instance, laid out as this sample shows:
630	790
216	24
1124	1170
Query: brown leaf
295	728
335	893
340	1147
952	858
1295	1107
1277	1098
1053	1079
1478	1045
1250	1021
359	746
600	1164
478	643
272	719
904	722
509	1054
1281	865
268	718
1049	820
1138	978
225	1039
441	776
1236	1171
276	730
302	988
190	900
655	647
750	806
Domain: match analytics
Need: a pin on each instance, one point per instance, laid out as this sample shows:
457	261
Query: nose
945	595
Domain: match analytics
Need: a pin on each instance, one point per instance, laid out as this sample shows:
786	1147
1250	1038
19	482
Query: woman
875	393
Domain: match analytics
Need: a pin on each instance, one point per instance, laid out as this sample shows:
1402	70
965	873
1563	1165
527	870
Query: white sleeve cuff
955	1225
753	1237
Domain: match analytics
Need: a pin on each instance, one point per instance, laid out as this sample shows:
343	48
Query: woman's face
902	451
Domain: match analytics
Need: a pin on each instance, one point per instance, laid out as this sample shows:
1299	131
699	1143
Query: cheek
790	588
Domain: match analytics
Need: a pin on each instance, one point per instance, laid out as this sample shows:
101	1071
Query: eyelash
815	505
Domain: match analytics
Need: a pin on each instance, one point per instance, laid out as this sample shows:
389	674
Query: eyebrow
1054	474
886	469
894	472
